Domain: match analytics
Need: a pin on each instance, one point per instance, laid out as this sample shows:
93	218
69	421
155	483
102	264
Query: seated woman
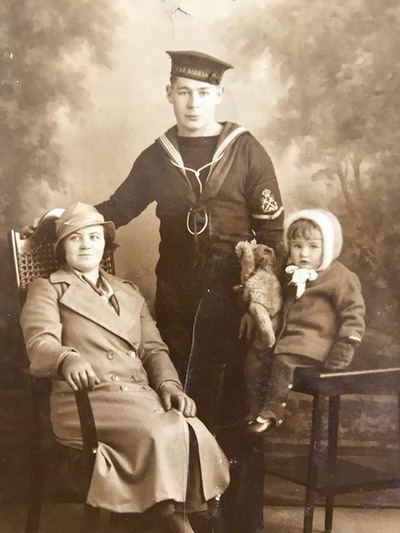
88	329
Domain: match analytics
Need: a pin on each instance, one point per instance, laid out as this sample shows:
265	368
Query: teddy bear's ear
264	255
239	248
244	249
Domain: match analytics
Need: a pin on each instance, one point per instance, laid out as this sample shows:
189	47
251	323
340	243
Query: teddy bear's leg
245	253
263	324
247	327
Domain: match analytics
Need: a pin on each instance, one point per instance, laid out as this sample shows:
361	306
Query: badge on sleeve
268	202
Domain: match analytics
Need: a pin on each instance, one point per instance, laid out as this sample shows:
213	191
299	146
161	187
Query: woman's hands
78	373
173	396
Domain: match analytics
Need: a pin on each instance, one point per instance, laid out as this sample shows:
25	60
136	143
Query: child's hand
340	356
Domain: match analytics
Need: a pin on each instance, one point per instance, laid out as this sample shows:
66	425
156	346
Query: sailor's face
194	104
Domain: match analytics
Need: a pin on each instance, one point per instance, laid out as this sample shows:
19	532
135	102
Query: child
323	313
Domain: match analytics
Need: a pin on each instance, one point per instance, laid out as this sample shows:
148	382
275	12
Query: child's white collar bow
299	278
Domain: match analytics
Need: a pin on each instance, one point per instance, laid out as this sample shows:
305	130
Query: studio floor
278	519
359	512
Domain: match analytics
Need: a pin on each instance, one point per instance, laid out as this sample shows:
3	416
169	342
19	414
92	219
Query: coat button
124	388
114	378
132	353
110	355
284	404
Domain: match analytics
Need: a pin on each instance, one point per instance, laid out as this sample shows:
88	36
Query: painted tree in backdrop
339	66
44	45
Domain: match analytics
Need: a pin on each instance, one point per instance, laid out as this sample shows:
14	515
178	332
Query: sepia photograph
199	288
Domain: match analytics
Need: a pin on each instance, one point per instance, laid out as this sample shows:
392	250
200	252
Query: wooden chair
322	473
35	257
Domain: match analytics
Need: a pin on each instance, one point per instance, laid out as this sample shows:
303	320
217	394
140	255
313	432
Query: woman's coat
143	450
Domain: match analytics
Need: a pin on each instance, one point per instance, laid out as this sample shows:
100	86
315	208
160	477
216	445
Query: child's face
307	253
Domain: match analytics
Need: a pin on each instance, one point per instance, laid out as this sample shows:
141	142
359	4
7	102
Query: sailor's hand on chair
78	373
27	231
173	396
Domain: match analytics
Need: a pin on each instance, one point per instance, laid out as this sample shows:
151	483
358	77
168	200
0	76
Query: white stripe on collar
170	148
228	140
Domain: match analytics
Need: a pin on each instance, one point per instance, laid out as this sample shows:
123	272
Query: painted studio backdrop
82	93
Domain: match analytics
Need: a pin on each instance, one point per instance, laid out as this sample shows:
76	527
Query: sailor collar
169	142
198	213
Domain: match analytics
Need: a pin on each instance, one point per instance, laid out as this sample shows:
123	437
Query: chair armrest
88	427
40	389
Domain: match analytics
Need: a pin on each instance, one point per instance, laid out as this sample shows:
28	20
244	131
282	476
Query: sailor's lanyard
195	211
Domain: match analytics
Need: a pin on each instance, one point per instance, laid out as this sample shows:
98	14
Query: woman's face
84	248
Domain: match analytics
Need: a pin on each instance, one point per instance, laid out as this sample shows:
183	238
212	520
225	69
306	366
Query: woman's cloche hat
79	216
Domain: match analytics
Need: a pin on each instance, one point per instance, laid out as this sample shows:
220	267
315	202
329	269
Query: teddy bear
260	295
260	292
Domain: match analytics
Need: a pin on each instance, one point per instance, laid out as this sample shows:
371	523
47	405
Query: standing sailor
214	185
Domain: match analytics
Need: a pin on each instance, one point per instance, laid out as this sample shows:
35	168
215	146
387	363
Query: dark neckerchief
102	288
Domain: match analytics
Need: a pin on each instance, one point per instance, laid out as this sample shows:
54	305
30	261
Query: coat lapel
81	299
130	301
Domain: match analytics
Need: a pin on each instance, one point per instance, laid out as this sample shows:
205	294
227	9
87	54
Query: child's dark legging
270	380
